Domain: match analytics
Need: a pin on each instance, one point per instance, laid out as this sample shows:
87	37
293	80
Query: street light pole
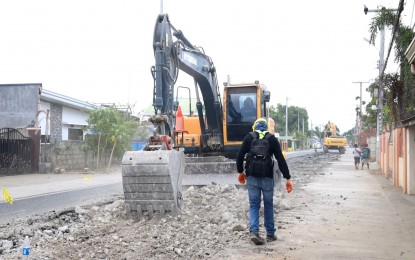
379	114
360	106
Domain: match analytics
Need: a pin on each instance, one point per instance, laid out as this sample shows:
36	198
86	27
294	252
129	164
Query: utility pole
303	125
360	106
379	115
311	128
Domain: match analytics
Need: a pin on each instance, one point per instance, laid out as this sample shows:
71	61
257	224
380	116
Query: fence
15	152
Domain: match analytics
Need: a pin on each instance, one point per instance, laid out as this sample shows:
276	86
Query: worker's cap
260	124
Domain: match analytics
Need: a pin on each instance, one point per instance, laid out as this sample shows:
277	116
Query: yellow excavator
332	141
200	147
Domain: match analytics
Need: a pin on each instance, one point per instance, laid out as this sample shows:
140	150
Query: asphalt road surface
56	201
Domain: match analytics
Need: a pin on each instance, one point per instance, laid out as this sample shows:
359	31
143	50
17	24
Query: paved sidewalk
352	214
30	185
342	213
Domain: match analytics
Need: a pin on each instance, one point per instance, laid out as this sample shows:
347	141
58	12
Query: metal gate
15	151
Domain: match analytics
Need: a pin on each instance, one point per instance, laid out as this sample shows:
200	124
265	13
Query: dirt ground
334	212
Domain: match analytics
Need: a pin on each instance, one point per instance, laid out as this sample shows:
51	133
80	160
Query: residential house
61	117
31	115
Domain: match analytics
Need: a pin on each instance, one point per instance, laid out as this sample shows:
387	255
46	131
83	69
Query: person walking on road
356	155
260	146
365	156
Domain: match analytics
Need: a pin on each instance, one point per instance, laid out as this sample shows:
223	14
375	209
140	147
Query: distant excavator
332	141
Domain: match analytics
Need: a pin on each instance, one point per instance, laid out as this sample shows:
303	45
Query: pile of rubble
213	217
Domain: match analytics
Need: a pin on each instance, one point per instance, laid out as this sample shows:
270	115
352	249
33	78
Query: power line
395	29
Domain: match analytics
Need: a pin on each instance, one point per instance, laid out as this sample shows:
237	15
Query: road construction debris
214	218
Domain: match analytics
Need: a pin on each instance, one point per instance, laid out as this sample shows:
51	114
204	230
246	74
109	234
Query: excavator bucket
152	181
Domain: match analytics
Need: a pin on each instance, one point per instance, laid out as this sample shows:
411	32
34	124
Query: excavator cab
243	104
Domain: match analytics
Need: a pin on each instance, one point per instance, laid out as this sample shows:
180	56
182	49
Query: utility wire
395	29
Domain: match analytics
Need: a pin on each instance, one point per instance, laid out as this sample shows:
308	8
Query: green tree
143	131
397	84
297	116
350	135
317	132
113	131
278	115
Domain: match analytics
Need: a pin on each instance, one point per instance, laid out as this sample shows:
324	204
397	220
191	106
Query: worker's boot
271	238
256	239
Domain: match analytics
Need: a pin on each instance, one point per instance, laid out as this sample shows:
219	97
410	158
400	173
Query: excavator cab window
241	111
248	107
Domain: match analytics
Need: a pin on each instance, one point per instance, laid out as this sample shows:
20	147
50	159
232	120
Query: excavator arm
172	55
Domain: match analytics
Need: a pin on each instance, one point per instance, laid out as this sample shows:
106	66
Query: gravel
213	218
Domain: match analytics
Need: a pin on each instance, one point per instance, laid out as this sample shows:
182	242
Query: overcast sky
101	51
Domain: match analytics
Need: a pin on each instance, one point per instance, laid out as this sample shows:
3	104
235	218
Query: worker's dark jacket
274	148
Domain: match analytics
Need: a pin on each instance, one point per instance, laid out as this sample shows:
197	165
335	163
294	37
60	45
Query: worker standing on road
356	155
260	146
365	156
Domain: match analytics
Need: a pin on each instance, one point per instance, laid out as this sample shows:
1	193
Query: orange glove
242	178
289	186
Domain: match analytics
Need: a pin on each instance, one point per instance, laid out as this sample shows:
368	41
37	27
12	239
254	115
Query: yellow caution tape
88	178
7	197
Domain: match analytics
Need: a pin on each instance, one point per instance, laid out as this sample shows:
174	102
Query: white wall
72	116
64	132
411	159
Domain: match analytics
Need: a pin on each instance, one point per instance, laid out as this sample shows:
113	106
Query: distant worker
277	172
330	129
327	129
333	129
365	156
356	155
249	110
260	146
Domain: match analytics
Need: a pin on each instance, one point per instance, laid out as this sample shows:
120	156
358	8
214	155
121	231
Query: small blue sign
26	251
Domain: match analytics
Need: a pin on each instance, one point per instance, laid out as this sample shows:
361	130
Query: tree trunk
112	151
99	141
103	158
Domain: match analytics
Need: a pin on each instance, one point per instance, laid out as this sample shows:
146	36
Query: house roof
52	97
